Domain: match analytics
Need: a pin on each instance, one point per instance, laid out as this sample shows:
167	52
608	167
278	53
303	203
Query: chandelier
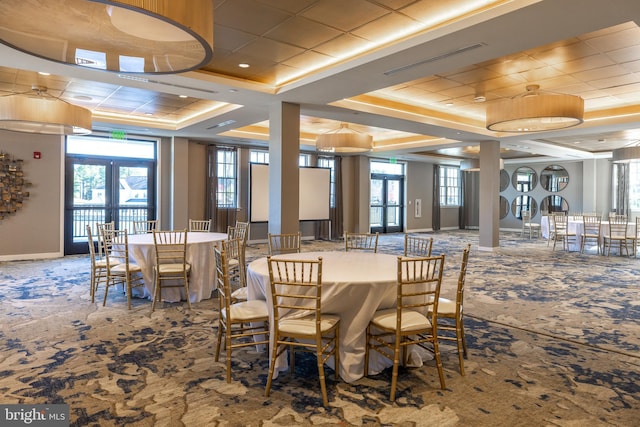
126	36
535	111
39	112
344	140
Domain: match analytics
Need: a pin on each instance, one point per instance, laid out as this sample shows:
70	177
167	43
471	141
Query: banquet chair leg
323	385
462	351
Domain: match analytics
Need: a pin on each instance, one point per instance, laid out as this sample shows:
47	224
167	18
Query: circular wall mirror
554	178
504	179
552	204
504	207
524	179
524	203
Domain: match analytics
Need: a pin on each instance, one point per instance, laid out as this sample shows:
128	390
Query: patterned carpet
554	340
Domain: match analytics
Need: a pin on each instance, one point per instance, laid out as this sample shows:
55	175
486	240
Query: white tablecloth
199	255
354	286
577	226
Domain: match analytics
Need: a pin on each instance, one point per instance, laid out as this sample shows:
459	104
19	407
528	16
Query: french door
101	190
386	203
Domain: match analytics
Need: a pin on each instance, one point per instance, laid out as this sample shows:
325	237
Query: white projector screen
315	185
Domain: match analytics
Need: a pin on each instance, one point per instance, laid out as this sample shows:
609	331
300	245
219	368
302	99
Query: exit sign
118	134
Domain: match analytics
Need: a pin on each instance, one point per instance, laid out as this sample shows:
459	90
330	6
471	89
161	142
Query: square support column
284	180
489	195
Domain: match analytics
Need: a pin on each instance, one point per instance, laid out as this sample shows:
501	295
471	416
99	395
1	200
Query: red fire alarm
36	154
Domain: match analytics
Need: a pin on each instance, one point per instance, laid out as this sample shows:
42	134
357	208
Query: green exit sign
393	160
118	134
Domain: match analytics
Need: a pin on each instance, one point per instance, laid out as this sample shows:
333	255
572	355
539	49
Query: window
256	156
387	168
304	160
226	176
633	173
329	162
449	186
634	185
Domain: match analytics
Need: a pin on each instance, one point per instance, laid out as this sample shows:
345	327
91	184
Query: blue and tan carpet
554	340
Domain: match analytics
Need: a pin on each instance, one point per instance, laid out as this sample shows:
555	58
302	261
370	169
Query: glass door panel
132	192
100	190
86	202
386	210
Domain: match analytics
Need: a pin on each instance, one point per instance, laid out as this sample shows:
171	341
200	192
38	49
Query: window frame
449	183
224	179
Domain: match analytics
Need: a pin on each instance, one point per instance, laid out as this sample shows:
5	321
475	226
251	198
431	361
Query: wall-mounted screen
315	187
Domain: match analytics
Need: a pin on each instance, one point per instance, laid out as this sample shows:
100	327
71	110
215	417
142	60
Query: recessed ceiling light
243	65
449	104
44	73
183	96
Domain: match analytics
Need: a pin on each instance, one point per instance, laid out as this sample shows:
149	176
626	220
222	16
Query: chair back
116	249
284	243
462	276
245	226
144	226
296	288
92	247
526	217
560	223
234	258
361	241
202	225
102	228
237	233
222	280
171	247
418	287
618	227
417	245
592	224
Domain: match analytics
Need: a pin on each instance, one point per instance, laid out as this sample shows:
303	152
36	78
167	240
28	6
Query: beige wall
419	185
35	231
197	180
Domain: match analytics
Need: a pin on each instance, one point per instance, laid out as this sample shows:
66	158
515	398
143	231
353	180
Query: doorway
100	190
386	203
103	185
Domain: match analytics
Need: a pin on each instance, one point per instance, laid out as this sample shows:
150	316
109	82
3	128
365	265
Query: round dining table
354	285
202	278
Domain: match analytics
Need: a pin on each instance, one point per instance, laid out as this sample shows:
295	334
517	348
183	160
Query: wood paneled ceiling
417	74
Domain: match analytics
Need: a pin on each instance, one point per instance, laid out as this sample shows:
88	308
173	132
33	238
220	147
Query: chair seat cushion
173	268
411	320
122	268
248	310
307	325
240	294
446	306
